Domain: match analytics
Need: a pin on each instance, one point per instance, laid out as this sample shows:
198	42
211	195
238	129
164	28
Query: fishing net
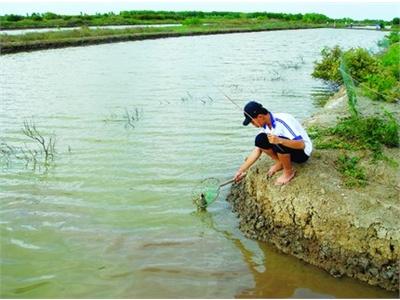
205	193
350	87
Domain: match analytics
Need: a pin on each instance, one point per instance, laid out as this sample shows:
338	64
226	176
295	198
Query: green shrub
378	75
393	37
382	86
390	59
360	63
36	17
359	133
369	132
192	22
315	18
13	18
328	68
50	16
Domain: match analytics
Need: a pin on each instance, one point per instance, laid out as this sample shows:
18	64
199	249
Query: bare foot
275	168
285	178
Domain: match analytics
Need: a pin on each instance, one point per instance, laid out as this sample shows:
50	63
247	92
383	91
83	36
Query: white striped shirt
286	126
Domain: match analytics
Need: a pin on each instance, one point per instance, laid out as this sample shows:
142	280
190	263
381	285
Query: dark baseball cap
252	110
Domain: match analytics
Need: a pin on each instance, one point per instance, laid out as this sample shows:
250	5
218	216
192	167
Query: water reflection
283	276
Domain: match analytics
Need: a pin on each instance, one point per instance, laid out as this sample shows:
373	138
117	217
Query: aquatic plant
291	65
128	117
46	145
42	154
276	76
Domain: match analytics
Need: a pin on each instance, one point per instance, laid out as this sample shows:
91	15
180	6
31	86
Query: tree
50	16
14	18
36	17
315	18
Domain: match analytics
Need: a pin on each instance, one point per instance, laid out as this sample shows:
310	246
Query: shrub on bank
390	59
377	75
192	22
360	63
359	133
382	86
328	68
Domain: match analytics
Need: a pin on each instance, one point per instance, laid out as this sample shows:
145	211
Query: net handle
229	181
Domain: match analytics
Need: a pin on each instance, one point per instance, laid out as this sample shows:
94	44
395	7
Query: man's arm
254	155
294	144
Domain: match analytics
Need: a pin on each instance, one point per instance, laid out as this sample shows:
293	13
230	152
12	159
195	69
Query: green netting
350	87
205	193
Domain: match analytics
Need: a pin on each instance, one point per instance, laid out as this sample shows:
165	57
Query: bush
13	18
393	37
381	86
391	59
328	68
359	133
378	75
358	61
315	18
50	16
36	17
368	132
192	22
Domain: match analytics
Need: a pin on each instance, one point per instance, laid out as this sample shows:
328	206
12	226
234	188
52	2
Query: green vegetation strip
193	23
86	36
48	19
354	134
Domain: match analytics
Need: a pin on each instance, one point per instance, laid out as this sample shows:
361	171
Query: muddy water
138	125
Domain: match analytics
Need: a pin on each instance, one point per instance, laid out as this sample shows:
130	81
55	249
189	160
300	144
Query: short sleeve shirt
286	126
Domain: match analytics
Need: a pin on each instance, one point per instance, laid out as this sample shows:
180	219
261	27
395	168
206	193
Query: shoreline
74	26
351	232
16	47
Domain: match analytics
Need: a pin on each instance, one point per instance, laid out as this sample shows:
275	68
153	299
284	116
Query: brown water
113	217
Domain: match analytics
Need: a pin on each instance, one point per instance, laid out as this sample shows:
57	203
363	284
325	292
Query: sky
355	9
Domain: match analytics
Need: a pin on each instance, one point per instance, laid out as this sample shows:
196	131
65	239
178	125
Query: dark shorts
296	155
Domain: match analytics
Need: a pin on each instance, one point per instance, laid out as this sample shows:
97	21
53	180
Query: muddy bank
8	48
346	231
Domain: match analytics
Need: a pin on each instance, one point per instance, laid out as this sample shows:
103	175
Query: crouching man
281	137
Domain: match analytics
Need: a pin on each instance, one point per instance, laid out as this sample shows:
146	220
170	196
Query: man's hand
274	139
239	176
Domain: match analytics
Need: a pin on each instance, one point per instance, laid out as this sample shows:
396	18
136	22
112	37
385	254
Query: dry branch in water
46	146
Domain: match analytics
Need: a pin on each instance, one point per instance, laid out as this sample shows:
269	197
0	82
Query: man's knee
262	141
281	149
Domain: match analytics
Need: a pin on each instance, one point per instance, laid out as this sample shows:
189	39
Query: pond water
138	126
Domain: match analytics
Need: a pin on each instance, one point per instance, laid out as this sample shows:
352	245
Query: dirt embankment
15	47
346	231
